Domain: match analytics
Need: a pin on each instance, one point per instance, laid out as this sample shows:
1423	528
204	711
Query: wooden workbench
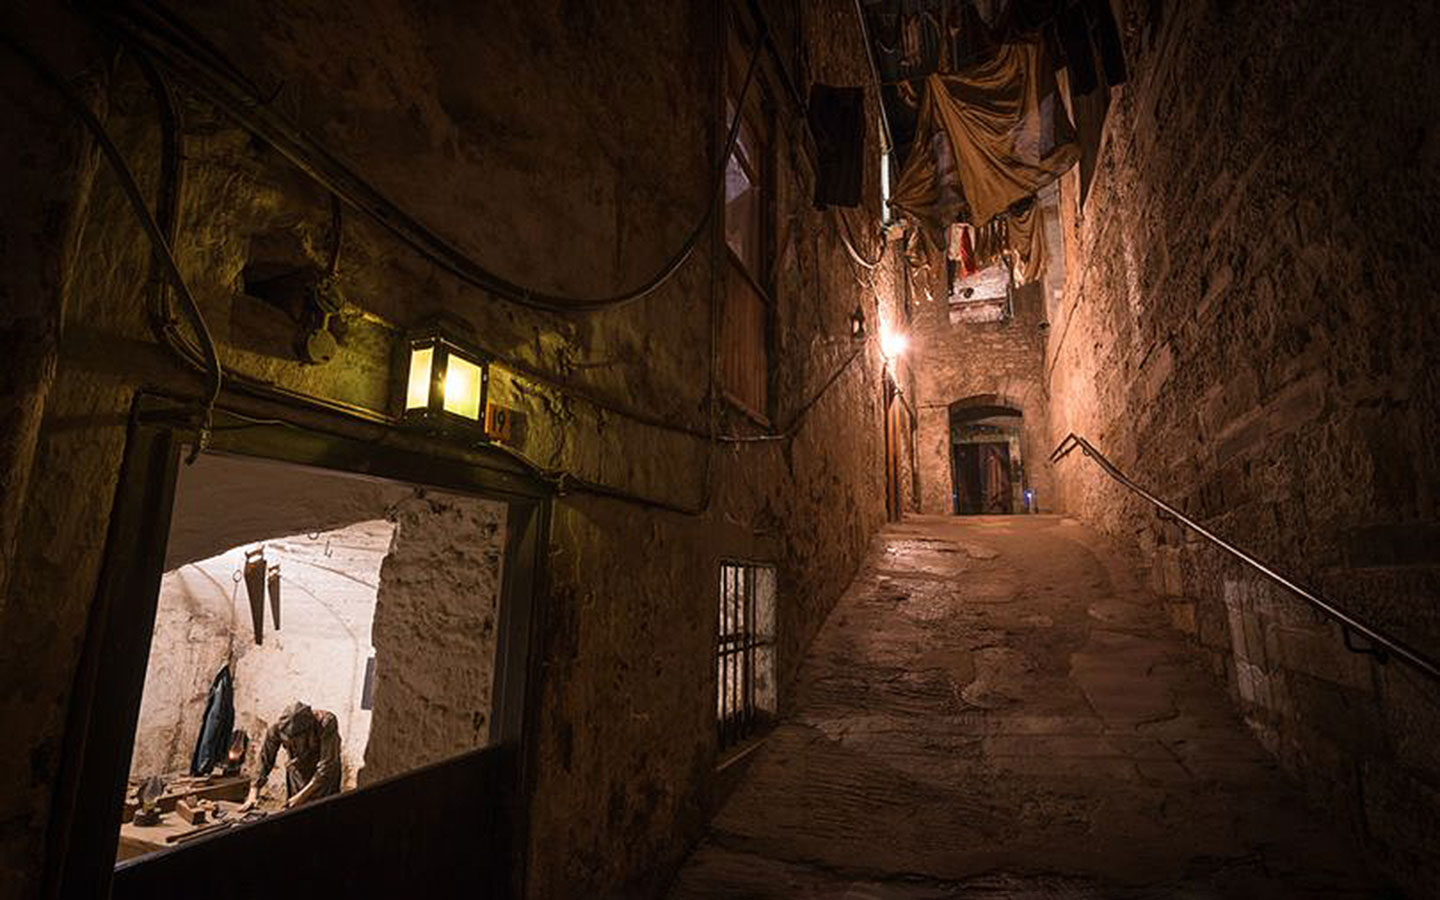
227	792
137	840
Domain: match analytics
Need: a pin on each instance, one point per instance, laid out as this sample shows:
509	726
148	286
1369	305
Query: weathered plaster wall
223	501
1249	328
475	119
955	362
434	632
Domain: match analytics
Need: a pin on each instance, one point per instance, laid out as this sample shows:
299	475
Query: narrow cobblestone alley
996	709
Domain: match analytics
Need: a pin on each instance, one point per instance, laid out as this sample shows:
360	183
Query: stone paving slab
995	709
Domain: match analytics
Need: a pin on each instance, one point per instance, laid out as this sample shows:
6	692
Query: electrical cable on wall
848	239
171	177
180	343
161	231
207	70
516	365
162	252
216	59
793	428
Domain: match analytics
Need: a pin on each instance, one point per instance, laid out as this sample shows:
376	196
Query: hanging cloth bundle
1004	129
213	744
1025	239
255	589
962	249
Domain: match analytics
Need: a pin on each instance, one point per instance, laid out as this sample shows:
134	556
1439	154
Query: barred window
745	699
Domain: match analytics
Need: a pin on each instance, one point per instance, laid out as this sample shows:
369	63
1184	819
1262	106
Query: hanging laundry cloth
213	744
986	137
1025	238
990	242
928	190
962	249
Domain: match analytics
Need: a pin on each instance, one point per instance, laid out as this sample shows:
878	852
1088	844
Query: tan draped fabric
986	138
1026	237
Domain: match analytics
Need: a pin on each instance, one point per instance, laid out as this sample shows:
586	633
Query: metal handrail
1382	644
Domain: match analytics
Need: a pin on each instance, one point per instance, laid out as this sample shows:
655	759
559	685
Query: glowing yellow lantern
446	381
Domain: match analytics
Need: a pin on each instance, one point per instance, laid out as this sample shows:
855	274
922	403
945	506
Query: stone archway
987	456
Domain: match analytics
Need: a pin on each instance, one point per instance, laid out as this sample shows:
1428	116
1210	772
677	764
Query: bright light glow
892	343
462	387
417	392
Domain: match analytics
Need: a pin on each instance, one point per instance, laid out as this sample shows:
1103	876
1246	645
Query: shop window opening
315	632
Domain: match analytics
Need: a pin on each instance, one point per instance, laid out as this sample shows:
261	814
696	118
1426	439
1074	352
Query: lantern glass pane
417	391
462	387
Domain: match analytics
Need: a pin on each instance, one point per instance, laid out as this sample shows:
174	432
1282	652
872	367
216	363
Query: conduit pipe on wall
171	174
163	316
886	143
794	427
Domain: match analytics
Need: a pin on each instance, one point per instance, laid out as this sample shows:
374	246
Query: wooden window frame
759	114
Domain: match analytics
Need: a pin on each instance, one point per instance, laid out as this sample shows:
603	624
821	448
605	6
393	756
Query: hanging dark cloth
214	741
969	39
837	119
1087	29
1073	29
1107	40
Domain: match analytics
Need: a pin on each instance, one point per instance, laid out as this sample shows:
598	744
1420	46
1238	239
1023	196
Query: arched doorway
986	468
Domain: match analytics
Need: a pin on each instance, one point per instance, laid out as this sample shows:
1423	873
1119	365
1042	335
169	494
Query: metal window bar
737	714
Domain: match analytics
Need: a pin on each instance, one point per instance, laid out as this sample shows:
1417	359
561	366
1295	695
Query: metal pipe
1347	621
886	144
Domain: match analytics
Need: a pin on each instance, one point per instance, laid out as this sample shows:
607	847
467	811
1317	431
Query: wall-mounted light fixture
446	380
892	343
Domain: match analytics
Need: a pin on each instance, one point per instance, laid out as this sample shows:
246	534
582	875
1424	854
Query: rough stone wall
434	632
570	149
1249	328
954	362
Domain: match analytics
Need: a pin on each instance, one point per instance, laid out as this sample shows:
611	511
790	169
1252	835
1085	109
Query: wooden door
894	428
994	462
